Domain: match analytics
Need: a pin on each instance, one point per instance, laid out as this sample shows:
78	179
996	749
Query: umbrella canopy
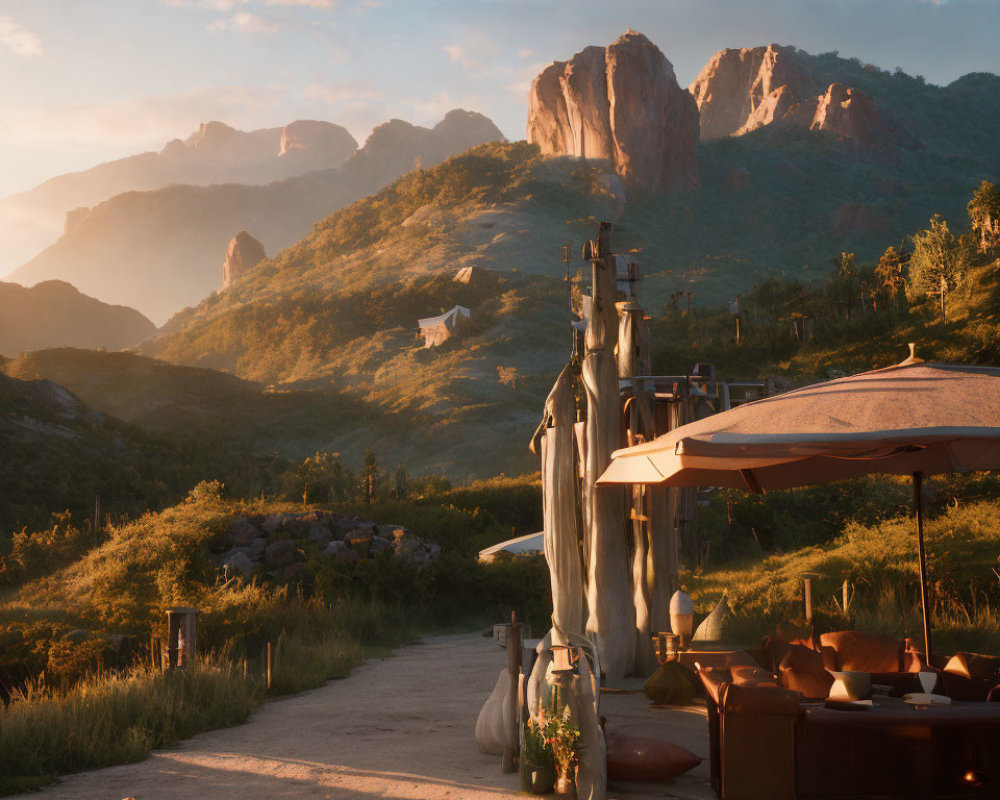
924	417
915	418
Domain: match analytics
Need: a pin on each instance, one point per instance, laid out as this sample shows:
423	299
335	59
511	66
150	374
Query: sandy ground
401	727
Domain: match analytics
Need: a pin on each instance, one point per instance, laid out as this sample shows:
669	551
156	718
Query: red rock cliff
620	103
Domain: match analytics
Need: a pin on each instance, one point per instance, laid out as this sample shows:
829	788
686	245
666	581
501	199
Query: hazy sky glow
90	81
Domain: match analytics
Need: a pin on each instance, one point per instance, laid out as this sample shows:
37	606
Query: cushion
793	634
975	666
802	671
713	679
865	652
753	676
646	758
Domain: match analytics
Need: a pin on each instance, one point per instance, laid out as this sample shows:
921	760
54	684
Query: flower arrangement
550	737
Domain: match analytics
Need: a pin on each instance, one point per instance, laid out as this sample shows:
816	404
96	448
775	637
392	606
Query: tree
400	481
843	283
984	214
938	262
372	476
889	273
320	477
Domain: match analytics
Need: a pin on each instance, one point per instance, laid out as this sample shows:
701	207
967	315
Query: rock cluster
276	544
621	103
755	88
244	253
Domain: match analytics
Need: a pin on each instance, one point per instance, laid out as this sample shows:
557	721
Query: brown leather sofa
767	740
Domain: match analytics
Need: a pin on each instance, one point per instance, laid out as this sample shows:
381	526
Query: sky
87	81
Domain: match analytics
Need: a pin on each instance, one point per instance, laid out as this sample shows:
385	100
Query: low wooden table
897	749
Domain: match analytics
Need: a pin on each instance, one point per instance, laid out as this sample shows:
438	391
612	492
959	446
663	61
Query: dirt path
401	727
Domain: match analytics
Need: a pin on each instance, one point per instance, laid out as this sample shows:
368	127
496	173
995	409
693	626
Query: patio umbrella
912	419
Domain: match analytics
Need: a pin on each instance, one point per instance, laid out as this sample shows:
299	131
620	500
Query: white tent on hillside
438	330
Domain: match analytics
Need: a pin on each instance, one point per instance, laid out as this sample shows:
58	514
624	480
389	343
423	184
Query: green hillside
59	454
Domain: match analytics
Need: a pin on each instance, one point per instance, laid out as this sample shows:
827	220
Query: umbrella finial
913	358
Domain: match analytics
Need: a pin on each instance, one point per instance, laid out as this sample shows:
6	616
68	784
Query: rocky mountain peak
750	89
212	136
620	103
735	83
321	143
243	254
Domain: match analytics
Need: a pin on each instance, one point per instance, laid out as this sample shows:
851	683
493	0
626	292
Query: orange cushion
753	676
975	666
802	671
793	634
865	652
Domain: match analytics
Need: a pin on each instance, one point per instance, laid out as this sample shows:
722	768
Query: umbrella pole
918	501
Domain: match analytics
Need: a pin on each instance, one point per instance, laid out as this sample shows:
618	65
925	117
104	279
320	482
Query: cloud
245	22
353	92
229	5
455	52
139	123
19	39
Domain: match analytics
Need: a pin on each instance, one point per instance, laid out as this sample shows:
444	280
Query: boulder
378	544
243	254
280	554
433	549
359	536
242	532
620	103
415	555
320	533
274	521
391	531
339	551
256	548
238	562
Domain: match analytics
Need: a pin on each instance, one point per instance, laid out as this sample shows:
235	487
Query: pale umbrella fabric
912	419
929	418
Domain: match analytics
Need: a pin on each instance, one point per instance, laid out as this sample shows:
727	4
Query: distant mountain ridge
55	314
215	153
162	250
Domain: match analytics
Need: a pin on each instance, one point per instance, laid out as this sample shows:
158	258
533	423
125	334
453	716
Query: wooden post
918	501
508	762
182	637
269	665
807	592
846	597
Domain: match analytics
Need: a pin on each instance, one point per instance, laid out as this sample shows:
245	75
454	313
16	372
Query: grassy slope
880	562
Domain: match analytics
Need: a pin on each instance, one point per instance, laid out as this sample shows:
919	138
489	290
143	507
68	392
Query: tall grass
113	719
